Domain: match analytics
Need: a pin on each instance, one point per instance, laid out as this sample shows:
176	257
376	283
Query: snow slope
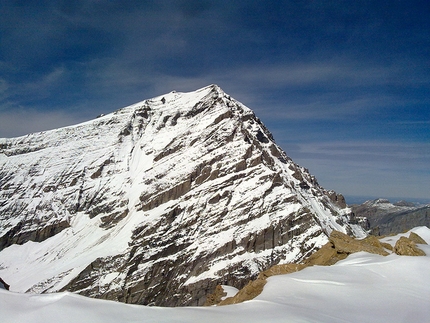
362	288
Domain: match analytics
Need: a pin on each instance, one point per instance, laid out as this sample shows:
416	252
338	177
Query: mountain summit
157	203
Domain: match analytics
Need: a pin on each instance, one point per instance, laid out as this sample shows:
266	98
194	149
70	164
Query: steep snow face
157	203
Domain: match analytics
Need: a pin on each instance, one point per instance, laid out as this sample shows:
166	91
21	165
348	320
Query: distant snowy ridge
384	217
157	203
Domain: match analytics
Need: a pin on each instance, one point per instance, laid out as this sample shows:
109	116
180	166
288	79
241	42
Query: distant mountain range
383	217
357	199
157	203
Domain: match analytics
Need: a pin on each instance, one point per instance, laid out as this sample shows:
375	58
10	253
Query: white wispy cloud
25	121
368	168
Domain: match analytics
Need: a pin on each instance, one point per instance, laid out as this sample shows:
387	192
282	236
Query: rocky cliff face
157	203
385	218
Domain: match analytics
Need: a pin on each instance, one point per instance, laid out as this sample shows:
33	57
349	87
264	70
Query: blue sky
342	85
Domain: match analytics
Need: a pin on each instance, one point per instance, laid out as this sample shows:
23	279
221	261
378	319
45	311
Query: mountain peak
157	203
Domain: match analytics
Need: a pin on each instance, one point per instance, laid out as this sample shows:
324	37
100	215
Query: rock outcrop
407	247
216	297
347	245
416	238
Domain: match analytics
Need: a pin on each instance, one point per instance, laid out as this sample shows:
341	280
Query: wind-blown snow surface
362	288
157	203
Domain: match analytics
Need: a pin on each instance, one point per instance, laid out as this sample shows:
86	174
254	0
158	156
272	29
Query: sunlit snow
362	288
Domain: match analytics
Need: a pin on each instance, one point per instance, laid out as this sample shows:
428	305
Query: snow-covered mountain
157	203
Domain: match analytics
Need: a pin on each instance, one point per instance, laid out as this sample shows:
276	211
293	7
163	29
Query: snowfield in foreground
362	288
